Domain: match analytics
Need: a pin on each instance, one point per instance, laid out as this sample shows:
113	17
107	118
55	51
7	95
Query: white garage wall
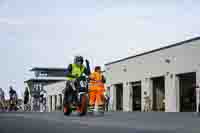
184	58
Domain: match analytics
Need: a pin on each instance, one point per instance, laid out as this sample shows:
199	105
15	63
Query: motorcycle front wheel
83	105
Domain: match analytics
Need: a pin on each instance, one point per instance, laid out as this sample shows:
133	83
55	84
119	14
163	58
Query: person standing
2	100
26	96
107	102
13	99
96	90
43	99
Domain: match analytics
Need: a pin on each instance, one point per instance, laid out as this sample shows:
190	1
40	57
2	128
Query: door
158	94
187	92
136	96
119	97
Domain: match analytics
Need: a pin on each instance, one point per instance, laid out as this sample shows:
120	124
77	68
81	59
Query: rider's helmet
11	88
78	60
12	91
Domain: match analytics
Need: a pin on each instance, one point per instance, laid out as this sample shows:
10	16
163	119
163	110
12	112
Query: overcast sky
48	33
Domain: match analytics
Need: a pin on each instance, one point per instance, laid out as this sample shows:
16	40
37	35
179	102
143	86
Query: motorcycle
43	100
2	104
78	98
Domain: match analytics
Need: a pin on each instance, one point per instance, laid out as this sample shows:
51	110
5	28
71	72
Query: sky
48	33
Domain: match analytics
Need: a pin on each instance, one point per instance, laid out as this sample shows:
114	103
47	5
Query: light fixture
167	61
124	69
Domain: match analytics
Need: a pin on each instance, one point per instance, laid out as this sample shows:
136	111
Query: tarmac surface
117	122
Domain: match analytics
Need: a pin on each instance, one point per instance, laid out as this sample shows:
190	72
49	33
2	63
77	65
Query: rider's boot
100	101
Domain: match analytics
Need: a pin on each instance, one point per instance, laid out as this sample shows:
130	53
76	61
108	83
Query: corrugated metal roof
155	50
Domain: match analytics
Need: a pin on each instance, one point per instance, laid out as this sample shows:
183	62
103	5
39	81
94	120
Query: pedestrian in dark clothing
26	96
107	102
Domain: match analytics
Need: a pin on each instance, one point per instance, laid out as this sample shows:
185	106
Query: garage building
166	77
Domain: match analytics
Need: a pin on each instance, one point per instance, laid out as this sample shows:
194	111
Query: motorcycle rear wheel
67	110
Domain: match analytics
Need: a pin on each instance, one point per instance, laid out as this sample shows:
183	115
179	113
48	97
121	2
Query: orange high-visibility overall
96	91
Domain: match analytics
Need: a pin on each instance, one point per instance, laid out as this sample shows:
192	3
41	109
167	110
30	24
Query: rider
96	90
26	96
74	71
43	98
13	94
2	99
107	99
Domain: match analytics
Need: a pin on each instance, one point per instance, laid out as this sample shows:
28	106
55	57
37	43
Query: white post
58	104
53	103
147	86
62	98
177	92
126	97
49	103
61	104
172	93
197	98
198	90
113	97
150	88
130	97
31	102
144	89
168	94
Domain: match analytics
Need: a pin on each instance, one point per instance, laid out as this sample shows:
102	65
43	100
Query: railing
27	107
